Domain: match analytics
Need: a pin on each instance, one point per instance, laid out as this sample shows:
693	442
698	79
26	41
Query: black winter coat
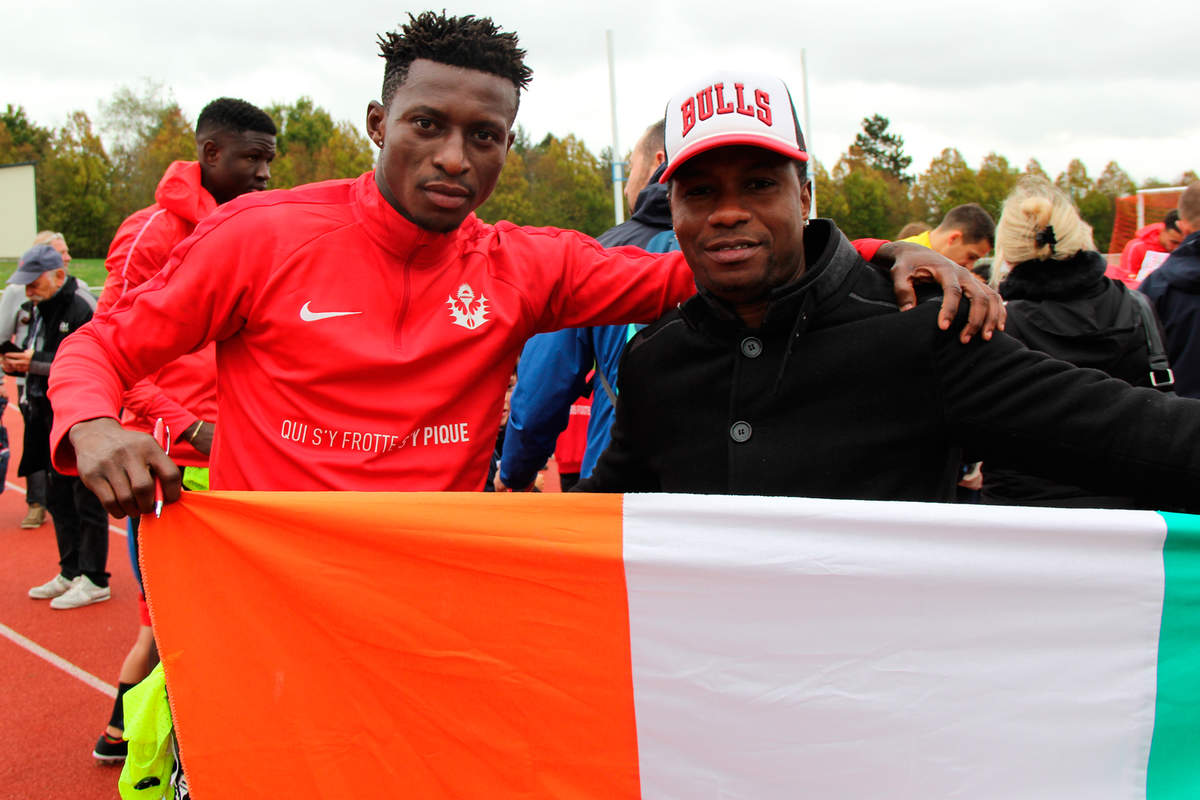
839	395
1069	310
1175	289
53	320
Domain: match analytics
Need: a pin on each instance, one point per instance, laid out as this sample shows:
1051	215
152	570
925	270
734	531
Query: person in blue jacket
554	367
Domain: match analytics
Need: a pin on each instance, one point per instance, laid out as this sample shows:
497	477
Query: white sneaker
51	588
82	593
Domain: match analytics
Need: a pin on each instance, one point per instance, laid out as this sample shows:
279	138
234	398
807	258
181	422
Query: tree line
85	188
870	192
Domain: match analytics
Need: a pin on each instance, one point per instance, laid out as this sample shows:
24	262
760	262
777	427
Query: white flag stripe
808	648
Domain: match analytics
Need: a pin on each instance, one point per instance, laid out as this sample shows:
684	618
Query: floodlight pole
812	159
618	171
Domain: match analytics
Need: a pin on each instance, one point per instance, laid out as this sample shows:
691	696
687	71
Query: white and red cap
730	108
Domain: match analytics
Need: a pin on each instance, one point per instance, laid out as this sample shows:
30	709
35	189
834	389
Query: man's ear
659	158
60	276
953	238
806	199
376	122
210	152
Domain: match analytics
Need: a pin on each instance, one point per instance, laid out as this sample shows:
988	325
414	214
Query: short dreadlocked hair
236	116
466	41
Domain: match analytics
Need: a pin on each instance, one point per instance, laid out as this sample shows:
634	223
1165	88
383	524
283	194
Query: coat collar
831	261
396	234
1081	274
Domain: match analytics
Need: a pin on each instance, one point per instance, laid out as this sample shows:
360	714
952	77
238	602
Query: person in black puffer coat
1060	302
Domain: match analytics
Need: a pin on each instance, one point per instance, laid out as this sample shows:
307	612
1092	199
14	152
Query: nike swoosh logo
308	315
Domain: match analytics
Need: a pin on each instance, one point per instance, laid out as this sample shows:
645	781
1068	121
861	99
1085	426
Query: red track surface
52	718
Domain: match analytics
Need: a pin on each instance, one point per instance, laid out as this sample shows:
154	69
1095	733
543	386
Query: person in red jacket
235	143
1146	251
367	328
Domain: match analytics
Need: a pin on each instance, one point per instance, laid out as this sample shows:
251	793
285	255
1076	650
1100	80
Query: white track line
58	661
21	489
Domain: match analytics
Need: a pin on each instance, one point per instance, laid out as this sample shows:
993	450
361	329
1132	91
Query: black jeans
80	526
35	482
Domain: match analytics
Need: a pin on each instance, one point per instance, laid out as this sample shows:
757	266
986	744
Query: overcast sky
1052	80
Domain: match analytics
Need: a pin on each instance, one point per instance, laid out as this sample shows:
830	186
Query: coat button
751	347
740	431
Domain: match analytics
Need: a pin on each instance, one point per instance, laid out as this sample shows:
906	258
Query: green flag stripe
1174	769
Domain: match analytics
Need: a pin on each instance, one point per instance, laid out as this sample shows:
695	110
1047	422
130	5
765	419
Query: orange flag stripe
436	674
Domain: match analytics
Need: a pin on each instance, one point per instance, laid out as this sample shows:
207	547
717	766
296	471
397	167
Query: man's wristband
195	430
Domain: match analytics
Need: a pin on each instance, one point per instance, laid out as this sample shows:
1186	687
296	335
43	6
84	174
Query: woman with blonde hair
1059	302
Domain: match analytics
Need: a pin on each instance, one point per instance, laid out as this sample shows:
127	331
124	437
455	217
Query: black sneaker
110	750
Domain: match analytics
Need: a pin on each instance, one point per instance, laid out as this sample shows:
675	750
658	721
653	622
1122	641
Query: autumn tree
948	182
566	187
310	146
1074	180
510	200
859	202
996	181
1099	206
1034	168
74	188
147	130
20	139
1098	210
824	189
882	150
1115	182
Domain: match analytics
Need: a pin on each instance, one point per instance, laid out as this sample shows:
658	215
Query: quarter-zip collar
392	231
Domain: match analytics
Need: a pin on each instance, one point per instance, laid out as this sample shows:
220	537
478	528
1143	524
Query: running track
58	669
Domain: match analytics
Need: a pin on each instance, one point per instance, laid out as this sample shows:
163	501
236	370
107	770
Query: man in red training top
235	144
1147	250
367	328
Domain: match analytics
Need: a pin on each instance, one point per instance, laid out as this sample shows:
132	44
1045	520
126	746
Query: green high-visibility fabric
148	727
195	479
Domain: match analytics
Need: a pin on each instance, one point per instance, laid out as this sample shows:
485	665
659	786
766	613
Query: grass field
89	270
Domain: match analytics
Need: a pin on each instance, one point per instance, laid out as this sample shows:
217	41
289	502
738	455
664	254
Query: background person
965	235
235	144
913	229
15	313
80	523
1061	303
1147	250
1175	290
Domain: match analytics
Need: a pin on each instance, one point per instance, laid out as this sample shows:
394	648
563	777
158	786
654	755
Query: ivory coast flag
541	646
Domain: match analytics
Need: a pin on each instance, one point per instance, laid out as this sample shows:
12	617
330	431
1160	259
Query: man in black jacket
80	523
792	372
1175	289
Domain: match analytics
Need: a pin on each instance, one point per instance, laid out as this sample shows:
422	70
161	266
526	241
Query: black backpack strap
1161	375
